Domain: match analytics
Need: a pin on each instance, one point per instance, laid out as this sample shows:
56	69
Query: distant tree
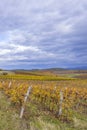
4	73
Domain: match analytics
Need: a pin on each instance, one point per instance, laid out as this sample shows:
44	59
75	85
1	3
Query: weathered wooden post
3	82
60	103
9	84
25	99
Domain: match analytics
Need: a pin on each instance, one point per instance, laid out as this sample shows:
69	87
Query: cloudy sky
43	34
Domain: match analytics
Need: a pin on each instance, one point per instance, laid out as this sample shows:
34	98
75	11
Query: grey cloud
50	31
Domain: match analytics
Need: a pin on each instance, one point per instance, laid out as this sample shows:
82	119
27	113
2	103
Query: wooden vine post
3	82
25	100
60	103
9	84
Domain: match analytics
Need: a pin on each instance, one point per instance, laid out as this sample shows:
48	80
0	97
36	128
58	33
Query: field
53	102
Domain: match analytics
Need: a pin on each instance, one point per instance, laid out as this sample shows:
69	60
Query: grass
36	119
9	118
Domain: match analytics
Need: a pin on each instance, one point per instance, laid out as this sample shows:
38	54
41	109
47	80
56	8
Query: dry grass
81	124
9	120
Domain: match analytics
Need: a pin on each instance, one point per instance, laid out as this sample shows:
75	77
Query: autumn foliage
47	94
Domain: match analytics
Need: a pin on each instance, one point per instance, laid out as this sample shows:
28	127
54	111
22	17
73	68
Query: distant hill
79	68
1	69
75	73
55	69
49	71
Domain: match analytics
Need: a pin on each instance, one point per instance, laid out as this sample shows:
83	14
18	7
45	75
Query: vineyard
60	98
33	77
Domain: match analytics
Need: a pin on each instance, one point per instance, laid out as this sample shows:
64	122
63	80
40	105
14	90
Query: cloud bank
42	34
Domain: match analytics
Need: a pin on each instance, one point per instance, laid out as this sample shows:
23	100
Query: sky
37	34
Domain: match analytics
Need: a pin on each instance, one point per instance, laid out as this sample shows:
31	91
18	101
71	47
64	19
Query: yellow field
34	77
47	94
